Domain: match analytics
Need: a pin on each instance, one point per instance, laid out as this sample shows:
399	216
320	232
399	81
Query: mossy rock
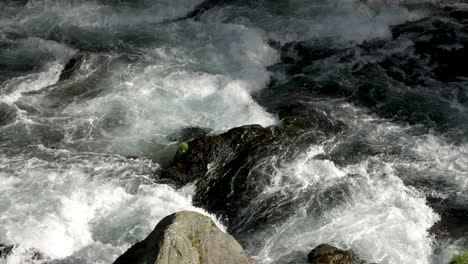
223	167
183	150
461	258
214	162
192	159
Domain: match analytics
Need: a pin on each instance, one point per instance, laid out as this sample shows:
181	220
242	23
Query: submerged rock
7	114
328	254
186	237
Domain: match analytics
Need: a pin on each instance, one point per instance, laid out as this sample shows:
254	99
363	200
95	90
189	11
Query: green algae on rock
461	258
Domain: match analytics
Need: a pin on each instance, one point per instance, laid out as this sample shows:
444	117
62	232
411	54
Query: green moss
196	242
461	258
183	149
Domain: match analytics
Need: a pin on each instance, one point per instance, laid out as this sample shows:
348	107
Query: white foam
190	81
101	204
446	160
31	82
381	219
301	20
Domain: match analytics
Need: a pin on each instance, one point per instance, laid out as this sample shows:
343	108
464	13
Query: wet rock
452	211
72	67
192	160
226	173
186	237
6	250
328	254
7	114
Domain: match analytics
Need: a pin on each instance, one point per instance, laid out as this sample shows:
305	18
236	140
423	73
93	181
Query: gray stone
186	238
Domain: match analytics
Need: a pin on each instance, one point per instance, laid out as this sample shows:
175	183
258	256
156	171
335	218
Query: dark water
384	85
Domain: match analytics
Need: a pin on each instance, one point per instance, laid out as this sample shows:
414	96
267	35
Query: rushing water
78	155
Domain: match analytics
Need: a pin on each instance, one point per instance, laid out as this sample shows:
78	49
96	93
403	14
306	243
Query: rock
6	250
224	169
186	237
72	67
219	166
328	254
193	158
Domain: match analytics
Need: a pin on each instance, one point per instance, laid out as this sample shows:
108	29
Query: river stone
328	254
186	238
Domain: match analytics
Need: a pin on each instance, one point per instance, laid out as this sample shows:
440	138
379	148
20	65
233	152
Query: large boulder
224	168
186	238
328	254
219	166
193	159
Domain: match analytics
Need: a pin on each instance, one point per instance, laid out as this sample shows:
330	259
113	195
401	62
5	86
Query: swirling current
92	93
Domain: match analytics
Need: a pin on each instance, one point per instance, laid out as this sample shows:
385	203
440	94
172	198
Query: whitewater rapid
78	158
